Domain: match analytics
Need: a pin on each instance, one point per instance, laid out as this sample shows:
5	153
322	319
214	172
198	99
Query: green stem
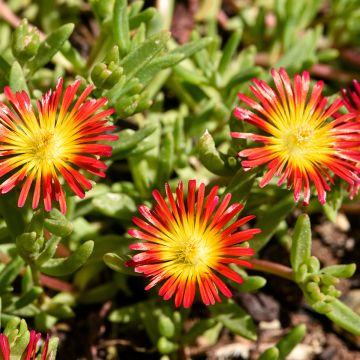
35	273
273	268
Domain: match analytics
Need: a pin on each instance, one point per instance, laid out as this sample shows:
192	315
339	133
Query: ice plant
187	244
57	137
31	351
305	142
351	98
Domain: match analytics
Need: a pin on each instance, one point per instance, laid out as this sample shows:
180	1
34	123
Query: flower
351	98
188	241
31	351
305	144
57	138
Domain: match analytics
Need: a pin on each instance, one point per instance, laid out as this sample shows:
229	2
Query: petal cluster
55	139
187	243
305	141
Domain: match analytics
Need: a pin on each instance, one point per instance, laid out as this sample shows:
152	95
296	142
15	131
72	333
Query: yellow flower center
44	146
298	140
192	251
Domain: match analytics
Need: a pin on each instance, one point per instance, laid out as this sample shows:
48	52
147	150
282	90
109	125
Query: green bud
113	55
166	326
313	264
37	223
321	307
312	287
11	325
144	103
315	278
329	279
29	245
301	274
25	42
313	291
232	161
127	106
96	74
58	224
331	291
166	346
106	76
114	76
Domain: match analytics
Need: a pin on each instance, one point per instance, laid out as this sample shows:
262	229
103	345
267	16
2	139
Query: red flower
187	243
351	98
303	143
59	137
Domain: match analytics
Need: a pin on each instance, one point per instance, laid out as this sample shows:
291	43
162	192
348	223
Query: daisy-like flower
59	137
305	142
187	244
351	98
32	350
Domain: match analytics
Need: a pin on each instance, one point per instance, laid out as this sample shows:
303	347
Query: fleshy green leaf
290	340
144	53
121	26
234	318
269	219
270	354
340	271
66	266
301	242
50	46
343	316
9	274
129	140
117	263
17	79
210	156
116	205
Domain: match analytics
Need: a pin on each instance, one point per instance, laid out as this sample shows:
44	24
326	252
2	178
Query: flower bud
25	42
106	76
29	245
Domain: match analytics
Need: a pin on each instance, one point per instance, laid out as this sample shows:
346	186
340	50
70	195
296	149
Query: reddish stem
56	284
273	268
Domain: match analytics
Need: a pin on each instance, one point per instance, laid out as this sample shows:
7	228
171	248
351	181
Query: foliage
173	115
